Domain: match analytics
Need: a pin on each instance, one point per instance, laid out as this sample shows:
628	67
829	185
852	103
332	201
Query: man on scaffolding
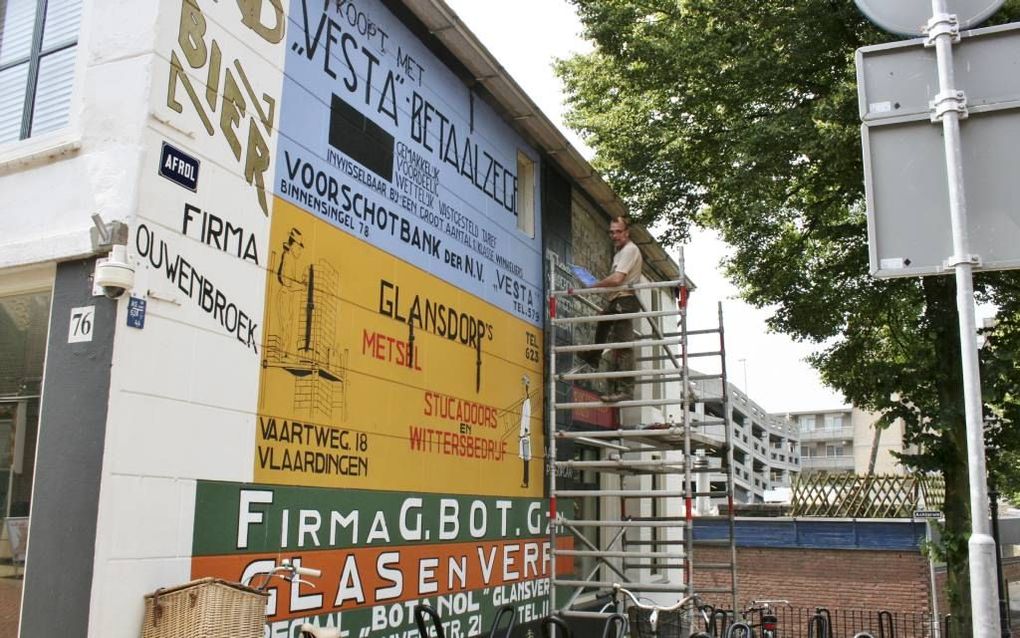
627	264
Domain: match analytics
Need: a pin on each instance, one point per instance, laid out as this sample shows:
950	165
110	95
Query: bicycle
293	574
768	622
654	626
424	616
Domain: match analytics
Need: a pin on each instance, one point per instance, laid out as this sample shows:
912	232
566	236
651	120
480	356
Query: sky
526	36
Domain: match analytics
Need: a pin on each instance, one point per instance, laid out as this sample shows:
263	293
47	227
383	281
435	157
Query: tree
741	115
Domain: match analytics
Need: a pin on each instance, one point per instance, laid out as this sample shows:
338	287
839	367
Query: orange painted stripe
389	574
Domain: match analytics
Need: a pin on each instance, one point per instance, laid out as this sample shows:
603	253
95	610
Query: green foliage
742	116
1000	376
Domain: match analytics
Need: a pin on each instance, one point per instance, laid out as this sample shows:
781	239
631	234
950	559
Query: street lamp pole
746	390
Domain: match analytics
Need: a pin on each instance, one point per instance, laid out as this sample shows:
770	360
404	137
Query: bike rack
552	621
618	624
420	612
739	629
717	629
505	610
885	618
820	625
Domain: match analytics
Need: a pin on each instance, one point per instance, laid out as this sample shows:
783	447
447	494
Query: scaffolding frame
633	454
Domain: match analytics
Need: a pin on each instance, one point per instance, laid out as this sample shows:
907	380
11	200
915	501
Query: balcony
829	463
825	434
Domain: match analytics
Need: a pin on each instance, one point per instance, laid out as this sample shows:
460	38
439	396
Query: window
525	194
24	320
807	422
38	43
833	421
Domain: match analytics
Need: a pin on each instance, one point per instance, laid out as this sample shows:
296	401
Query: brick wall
832	578
591	246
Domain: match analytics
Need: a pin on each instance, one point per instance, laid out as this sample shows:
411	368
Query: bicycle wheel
739	630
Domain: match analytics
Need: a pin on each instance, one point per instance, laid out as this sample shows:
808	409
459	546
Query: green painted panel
235	518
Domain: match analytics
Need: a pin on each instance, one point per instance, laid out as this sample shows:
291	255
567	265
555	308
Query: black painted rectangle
360	138
178	167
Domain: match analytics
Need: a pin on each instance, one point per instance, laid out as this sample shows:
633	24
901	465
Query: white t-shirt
525	434
628	261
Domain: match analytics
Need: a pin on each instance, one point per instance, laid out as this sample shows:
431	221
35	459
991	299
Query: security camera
114	275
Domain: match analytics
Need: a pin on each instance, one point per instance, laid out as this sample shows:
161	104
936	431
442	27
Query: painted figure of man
524	437
291	279
626	270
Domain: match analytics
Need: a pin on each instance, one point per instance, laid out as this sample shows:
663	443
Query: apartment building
845	440
766	447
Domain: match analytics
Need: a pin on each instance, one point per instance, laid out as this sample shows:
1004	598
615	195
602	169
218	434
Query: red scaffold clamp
683	294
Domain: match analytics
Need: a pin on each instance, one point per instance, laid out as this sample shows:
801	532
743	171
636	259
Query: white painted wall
184	391
52	184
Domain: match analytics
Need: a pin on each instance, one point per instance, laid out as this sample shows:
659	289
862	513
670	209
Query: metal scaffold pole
629	479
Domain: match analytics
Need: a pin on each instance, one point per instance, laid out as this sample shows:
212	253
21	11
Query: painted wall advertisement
378	224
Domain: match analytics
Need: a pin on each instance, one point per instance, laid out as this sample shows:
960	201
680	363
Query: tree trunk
940	295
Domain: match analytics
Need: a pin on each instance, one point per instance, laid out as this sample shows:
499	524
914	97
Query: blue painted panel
826	534
379	138
816	534
890	535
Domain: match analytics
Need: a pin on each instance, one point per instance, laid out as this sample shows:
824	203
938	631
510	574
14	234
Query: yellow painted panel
378	375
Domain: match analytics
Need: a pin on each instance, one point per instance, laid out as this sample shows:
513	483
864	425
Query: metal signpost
942	29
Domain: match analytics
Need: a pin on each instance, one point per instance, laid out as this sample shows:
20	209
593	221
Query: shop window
38	45
24	320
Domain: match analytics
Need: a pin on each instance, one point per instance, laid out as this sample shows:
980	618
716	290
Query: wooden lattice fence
853	496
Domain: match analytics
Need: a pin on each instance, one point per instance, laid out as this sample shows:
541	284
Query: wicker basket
206	608
672	624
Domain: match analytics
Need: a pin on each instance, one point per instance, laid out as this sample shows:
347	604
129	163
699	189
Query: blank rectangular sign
899	79
909	228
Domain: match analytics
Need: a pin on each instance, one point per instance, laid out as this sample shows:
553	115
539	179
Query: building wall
853	441
69	460
276	326
819	562
591	246
832	578
890	440
92	165
766	447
